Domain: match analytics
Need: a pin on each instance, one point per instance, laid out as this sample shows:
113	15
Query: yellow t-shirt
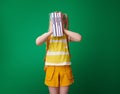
57	51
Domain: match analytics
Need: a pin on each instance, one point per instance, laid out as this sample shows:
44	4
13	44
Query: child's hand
50	31
50	27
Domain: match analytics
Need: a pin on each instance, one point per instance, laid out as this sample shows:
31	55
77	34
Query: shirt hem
62	64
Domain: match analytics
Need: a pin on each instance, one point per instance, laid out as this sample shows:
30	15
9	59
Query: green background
95	60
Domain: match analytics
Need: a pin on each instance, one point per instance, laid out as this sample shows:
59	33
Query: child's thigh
54	90
64	90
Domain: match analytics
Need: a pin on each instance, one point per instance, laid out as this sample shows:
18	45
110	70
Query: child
57	61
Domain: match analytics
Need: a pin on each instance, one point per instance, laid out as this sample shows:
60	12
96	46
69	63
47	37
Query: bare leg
64	90
54	90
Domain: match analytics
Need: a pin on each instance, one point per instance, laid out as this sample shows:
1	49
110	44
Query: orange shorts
57	76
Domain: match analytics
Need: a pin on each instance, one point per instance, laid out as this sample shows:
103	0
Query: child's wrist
65	31
49	32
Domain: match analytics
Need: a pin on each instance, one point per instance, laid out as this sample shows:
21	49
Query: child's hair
65	21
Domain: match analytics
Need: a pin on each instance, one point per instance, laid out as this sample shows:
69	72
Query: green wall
95	60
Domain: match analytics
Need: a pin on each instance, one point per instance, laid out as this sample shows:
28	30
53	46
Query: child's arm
72	36
43	38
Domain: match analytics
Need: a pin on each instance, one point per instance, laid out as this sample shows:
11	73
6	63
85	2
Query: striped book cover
57	27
